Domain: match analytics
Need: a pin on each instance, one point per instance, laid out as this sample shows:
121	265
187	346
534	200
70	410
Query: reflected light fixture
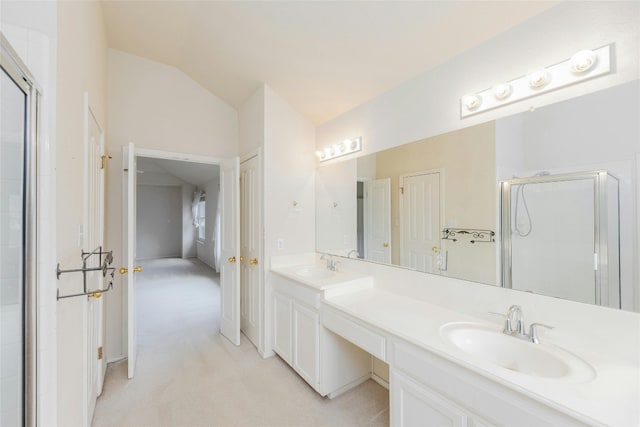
472	101
347	146
502	90
583	65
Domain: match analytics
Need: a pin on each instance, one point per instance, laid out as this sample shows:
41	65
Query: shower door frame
601	267
18	72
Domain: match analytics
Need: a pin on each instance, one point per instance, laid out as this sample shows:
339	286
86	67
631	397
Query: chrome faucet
353	251
331	263
514	325
515	321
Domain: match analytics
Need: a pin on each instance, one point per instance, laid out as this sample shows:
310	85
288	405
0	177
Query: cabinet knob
253	261
232	259
385	244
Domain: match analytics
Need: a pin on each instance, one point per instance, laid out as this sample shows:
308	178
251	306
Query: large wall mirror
544	201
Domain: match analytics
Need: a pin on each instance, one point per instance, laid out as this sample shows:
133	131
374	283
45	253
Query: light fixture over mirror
583	65
348	146
594	132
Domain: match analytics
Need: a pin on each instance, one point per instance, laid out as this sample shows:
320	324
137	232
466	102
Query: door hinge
100	353
104	161
401	190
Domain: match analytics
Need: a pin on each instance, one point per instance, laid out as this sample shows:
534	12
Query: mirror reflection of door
420	221
377	220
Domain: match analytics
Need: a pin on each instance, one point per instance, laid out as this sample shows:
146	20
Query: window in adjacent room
202	208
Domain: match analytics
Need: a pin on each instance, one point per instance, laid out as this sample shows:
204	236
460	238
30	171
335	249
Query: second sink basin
537	360
314	272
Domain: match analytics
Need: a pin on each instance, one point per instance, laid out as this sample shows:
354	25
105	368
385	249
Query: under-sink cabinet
426	389
327	362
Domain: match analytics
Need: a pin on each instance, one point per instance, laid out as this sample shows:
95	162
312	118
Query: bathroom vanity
329	363
450	362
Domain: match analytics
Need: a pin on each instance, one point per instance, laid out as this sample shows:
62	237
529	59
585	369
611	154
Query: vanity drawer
368	340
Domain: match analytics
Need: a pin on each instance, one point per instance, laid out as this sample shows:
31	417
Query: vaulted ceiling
323	57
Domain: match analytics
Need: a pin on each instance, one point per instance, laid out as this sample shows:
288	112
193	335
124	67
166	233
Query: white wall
592	132
336	225
205	248
156	107
158	222
82	66
289	175
429	104
287	141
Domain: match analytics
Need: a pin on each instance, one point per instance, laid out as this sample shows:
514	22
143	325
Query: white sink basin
539	360
314	272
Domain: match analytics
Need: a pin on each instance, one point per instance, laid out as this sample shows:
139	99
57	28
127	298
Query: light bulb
338	148
502	90
320	154
471	102
583	61
538	79
327	152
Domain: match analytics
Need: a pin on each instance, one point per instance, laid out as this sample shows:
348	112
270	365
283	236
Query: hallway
187	374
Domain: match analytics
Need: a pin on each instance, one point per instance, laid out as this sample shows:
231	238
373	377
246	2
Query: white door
420	221
129	250
377	220
250	249
93	238
230	237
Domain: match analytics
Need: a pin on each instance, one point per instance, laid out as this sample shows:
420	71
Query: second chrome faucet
515	327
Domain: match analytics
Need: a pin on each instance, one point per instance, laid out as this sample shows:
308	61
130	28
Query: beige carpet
187	374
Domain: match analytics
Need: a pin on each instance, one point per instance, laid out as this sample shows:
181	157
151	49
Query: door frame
88	114
441	172
262	297
167	155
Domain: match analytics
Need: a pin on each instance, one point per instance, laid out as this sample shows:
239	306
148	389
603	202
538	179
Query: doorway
195	191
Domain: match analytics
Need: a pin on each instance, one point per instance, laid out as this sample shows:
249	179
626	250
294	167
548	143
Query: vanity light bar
347	146
584	65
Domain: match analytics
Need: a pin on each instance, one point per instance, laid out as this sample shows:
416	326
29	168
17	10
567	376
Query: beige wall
468	159
82	66
158	107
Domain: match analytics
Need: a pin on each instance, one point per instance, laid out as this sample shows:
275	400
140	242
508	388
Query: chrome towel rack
104	261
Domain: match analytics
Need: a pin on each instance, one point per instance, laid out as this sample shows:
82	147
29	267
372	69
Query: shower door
15	116
560	236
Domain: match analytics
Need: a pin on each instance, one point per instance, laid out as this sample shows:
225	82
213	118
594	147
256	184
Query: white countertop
611	398
334	280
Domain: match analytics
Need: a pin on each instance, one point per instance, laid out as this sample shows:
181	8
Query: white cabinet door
282	343
413	404
306	343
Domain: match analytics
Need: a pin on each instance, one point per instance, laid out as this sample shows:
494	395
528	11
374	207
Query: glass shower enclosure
560	236
18	134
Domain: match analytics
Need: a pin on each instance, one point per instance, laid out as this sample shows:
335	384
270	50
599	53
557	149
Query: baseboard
348	387
116	359
380	380
267	354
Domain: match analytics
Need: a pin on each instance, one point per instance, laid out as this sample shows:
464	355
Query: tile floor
187	374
